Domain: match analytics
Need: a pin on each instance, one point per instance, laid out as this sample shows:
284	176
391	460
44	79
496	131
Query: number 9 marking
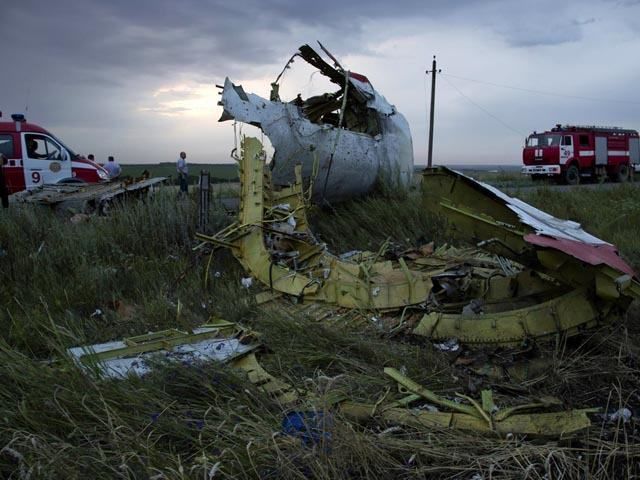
35	177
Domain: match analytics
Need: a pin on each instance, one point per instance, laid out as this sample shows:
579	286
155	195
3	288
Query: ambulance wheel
622	174
572	175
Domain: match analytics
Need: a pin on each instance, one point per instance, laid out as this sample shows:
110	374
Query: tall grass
137	260
206	421
367	223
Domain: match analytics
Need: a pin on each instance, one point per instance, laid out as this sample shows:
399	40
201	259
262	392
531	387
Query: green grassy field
137	267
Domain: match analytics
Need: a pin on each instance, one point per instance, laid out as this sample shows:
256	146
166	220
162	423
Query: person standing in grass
4	191
183	173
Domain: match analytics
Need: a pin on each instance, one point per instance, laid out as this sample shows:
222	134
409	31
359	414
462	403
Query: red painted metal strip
591	254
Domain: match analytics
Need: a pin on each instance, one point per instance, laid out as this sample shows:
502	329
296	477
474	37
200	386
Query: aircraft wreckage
346	141
528	277
525	278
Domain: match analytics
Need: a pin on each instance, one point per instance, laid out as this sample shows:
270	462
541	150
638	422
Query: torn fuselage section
346	140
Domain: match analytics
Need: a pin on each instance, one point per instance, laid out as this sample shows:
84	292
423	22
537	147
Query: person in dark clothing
183	173
4	191
32	150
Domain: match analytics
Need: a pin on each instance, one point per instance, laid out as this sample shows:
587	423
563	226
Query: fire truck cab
35	157
569	152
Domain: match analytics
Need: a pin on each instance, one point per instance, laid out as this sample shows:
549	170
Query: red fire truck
35	157
569	152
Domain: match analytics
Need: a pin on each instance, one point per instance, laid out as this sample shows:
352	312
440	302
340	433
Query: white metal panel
217	349
542	222
353	161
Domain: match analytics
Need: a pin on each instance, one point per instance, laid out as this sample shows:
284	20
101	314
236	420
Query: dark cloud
543	35
95	64
162	37
109	56
543	23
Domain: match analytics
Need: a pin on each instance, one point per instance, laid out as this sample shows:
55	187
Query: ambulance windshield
71	152
543	140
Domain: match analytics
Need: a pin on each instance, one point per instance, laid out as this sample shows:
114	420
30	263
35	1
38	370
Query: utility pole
433	101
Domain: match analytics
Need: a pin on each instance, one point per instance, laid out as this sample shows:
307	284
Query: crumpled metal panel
542	222
342	163
568	313
138	364
561	248
593	254
218	341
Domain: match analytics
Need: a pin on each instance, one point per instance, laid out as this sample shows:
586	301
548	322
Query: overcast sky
136	79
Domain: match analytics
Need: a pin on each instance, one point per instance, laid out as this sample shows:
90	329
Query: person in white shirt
183	172
112	168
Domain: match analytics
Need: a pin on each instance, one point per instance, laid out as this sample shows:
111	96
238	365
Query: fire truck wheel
572	175
622	174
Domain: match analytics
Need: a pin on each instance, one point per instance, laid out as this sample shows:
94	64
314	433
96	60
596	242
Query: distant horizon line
415	164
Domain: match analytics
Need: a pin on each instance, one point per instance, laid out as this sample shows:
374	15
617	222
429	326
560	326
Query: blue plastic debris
310	427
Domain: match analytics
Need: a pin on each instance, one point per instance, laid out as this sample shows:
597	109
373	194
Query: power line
481	108
542	92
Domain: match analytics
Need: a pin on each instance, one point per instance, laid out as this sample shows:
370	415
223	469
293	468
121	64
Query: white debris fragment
450	345
542	222
97	313
246	282
213	471
217	349
375	292
623	413
217	275
429	408
394	429
349	254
